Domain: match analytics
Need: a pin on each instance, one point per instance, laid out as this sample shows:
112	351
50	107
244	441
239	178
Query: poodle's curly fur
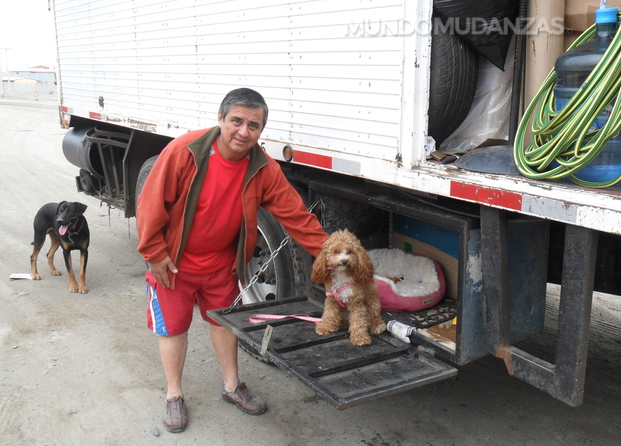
346	271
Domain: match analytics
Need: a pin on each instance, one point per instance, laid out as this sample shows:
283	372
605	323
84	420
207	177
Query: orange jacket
168	201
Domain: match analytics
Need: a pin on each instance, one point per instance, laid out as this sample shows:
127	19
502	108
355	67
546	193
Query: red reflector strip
312	159
64	109
508	200
93	115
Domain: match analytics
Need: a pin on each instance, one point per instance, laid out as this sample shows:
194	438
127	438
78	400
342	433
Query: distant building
39	79
39	73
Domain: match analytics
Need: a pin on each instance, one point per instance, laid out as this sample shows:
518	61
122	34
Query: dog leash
261	318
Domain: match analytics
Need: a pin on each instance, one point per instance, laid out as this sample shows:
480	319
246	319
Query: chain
263	268
265	265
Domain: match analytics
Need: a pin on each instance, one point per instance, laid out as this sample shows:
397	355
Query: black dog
67	227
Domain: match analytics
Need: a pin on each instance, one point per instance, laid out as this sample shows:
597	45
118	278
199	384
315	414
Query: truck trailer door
338	371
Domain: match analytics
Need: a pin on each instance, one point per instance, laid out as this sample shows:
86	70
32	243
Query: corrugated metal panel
327	84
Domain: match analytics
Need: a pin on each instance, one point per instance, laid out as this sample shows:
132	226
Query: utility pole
1	80
6	52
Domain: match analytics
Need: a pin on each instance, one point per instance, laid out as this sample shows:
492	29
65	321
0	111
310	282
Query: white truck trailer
360	94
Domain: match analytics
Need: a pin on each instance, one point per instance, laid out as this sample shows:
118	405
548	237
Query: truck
362	95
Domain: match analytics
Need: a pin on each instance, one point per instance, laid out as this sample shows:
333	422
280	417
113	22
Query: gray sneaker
245	400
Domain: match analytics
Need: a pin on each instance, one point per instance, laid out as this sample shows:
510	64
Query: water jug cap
606	15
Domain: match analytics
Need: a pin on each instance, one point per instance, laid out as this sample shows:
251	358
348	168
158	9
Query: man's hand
160	270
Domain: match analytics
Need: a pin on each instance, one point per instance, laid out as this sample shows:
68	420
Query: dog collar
335	294
69	234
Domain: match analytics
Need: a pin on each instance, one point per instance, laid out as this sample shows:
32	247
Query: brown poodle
346	271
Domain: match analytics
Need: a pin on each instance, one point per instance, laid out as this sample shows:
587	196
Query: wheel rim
265	288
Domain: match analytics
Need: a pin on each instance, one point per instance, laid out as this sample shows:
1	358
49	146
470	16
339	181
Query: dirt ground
83	369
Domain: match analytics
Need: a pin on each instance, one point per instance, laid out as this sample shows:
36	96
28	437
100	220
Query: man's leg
225	344
222	289
170	312
234	392
173	351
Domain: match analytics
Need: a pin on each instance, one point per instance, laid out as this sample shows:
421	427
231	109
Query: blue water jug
572	69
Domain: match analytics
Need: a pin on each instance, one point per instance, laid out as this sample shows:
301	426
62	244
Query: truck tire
454	77
277	281
143	173
288	275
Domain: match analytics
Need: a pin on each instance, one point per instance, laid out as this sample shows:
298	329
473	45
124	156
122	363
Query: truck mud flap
341	373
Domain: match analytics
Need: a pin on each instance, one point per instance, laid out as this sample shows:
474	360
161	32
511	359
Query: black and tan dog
67	227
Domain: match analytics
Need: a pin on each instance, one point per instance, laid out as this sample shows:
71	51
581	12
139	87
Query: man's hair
244	97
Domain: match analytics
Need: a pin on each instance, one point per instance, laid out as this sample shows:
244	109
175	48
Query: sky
27	30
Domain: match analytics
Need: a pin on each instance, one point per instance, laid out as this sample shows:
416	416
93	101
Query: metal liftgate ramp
341	373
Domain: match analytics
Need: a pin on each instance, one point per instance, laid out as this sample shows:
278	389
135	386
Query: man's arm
283	201
152	214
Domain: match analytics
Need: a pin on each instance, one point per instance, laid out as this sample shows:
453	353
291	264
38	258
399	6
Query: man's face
239	131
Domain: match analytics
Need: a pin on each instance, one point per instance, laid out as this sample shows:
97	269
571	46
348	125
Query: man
197	224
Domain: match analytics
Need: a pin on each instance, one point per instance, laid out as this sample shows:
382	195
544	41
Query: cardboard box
580	14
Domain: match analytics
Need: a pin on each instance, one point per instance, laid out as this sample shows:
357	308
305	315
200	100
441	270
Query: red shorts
170	311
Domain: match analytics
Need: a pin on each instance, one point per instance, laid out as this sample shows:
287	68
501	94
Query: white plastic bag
489	115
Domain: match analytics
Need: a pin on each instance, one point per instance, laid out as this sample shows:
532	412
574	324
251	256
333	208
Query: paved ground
83	369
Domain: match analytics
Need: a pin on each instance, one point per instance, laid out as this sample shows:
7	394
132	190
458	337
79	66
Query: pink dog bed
405	281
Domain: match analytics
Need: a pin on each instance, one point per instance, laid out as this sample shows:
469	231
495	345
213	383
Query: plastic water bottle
572	69
400	331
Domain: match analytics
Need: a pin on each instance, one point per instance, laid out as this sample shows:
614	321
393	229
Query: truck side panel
164	67
347	83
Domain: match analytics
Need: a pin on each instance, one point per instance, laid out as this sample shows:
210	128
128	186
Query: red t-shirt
210	246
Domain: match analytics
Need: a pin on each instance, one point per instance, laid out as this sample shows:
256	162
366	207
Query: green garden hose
561	142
